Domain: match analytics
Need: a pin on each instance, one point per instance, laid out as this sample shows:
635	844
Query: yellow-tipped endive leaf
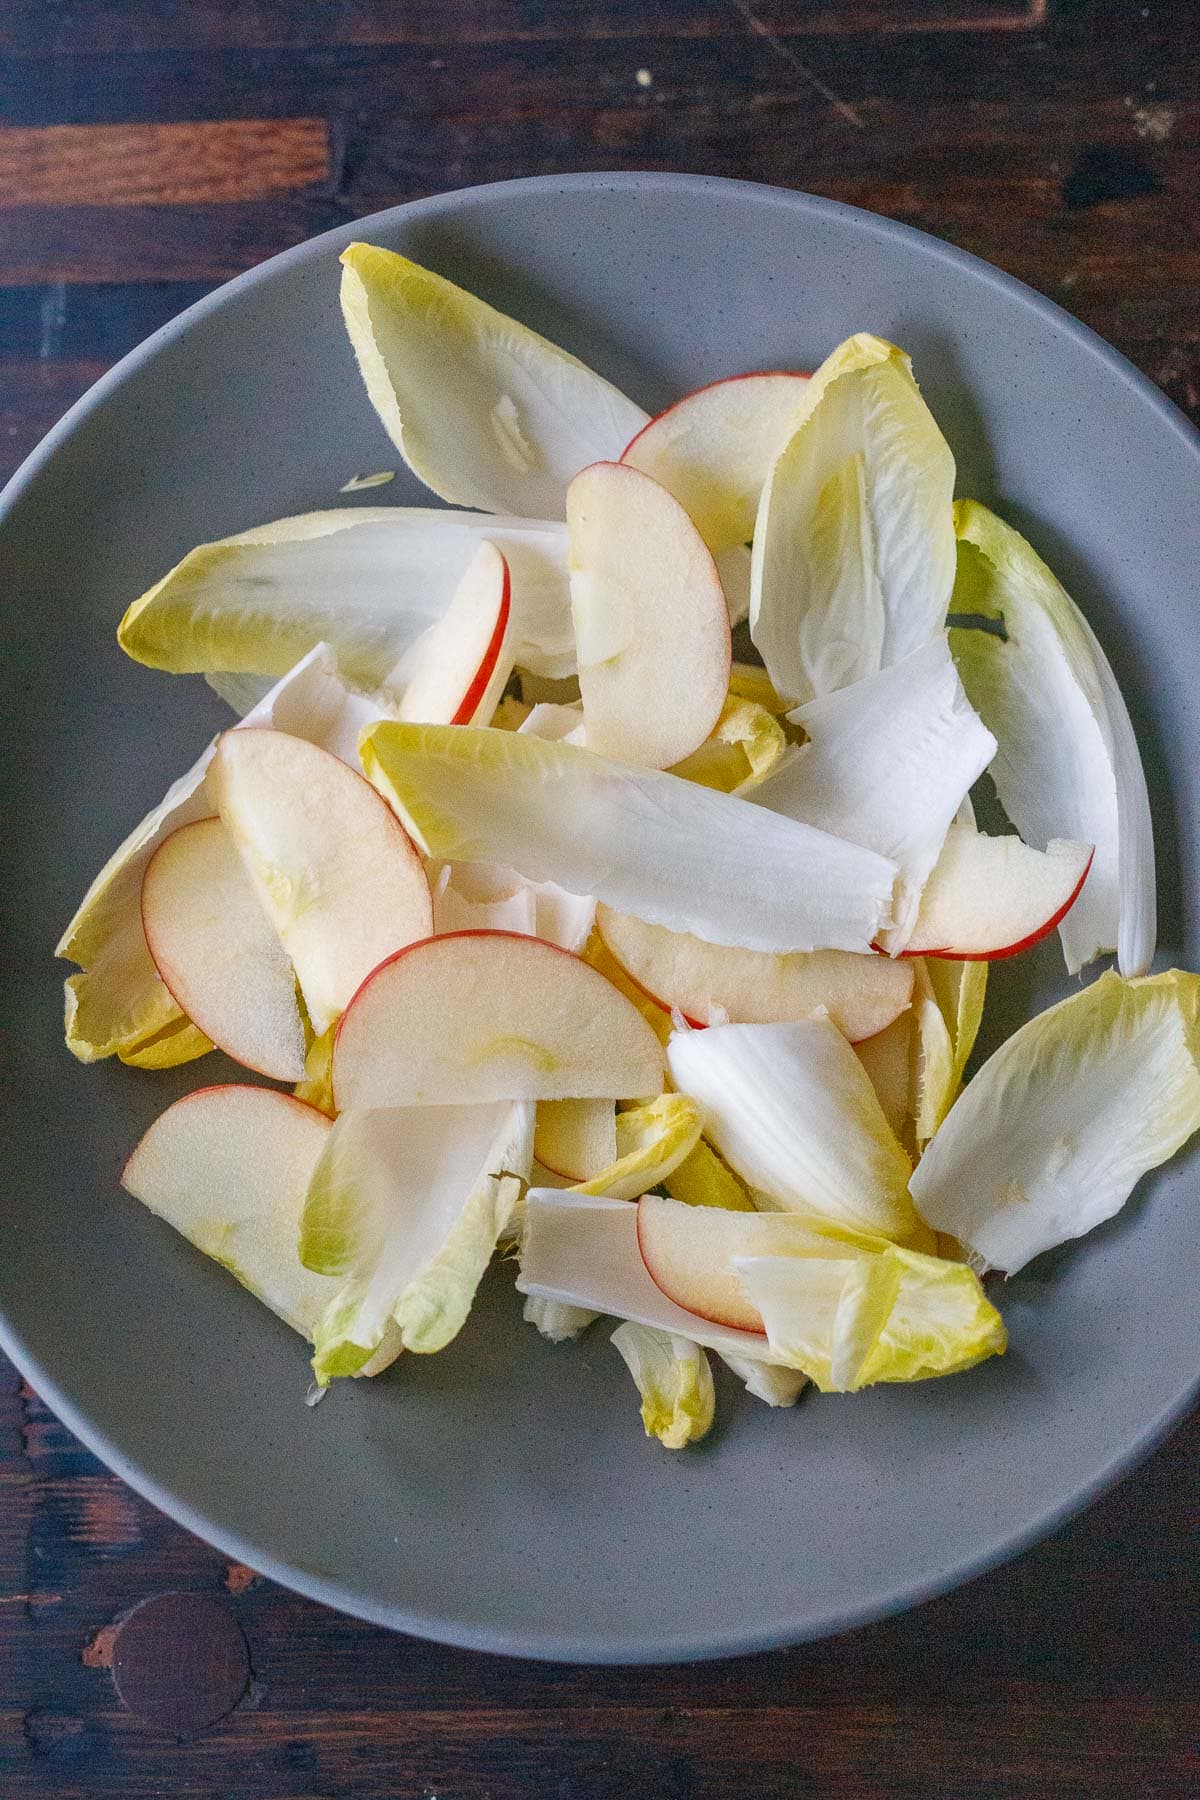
1068	762
1051	1135
652	1141
484	411
748	682
406	1206
853	562
702	1179
889	762
888	1315
947	1010
792	1110
641	840
316	1089
583	1251
118	1004
367	580
178	1042
674	1380
742	749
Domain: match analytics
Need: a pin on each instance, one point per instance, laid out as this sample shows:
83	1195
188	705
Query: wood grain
148	150
159	165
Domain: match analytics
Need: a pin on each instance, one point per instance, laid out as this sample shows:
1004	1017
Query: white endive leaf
1068	764
406	1205
493	897
888	765
853	561
643	841
483	410
769	1382
584	1251
367	580
793	1112
1049	1138
241	692
890	1315
557	1321
118	1004
674	1380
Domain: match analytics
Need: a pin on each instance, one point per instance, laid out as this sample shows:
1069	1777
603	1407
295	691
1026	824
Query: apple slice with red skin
862	994
218	953
229	1168
576	1139
456	671
714	448
334	870
990	897
688	1252
650	615
480	1016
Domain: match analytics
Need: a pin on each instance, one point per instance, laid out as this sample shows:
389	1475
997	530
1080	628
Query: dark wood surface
150	149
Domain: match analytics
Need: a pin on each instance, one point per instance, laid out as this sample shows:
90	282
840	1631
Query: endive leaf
641	840
118	1004
793	1112
948	1001
483	410
1050	1136
652	1141
482	896
702	1179
1068	762
584	1251
742	749
769	1382
853	560
561	1323
890	1315
888	765
674	1380
406	1205
367	580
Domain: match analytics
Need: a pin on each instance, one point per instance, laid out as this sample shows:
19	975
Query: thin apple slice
118	1004
482	409
861	994
689	1250
582	1251
651	624
333	868
229	1168
989	897
218	952
489	1015
646	842
456	671
714	448
887	1058
576	1139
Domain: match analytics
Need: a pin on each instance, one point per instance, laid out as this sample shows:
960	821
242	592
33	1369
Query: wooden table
148	150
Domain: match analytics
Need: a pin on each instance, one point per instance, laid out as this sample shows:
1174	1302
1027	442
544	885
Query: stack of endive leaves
558	930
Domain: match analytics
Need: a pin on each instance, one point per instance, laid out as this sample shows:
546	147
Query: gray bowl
501	1495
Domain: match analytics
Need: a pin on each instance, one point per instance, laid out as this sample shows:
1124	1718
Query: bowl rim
562	1646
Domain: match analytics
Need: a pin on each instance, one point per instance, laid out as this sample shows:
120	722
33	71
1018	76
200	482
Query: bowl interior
502	1494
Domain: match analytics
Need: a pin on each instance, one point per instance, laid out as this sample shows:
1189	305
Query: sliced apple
887	1058
688	1252
651	623
218	953
989	897
490	1015
332	866
862	994
714	448
576	1139
229	1168
456	671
